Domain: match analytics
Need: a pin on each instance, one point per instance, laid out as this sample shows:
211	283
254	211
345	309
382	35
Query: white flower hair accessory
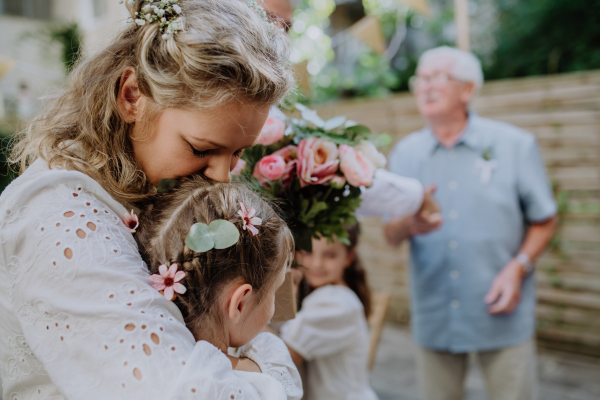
260	11
167	13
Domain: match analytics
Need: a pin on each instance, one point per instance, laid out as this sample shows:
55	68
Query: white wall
38	62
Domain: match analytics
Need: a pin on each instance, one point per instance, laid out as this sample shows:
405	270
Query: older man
472	289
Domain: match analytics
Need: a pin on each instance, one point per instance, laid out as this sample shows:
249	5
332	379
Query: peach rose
269	168
317	161
369	150
357	168
239	167
289	156
271	132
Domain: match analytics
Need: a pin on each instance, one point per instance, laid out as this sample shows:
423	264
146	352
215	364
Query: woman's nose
218	170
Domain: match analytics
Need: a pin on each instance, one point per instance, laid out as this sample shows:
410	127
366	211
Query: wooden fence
563	111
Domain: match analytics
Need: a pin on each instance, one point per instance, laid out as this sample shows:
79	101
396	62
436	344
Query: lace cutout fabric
79	318
273	358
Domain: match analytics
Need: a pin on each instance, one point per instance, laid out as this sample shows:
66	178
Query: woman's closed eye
204	153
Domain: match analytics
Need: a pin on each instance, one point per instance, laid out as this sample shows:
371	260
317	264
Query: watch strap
525	261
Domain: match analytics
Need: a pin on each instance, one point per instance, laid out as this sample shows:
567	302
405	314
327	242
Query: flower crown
168	14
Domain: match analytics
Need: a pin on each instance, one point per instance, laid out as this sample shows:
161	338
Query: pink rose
271	132
289	156
239	167
357	168
317	161
269	168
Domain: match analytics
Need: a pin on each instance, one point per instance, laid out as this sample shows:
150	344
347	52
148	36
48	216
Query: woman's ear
239	301
129	98
350	257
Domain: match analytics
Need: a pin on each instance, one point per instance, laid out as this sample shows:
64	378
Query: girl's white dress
330	332
79	320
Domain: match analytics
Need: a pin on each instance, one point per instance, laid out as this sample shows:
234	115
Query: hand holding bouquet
315	171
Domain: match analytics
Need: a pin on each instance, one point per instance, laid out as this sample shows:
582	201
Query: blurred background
541	62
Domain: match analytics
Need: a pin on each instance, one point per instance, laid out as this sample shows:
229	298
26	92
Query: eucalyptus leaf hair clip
221	234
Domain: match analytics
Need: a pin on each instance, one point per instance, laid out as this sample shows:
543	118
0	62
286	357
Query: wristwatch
525	261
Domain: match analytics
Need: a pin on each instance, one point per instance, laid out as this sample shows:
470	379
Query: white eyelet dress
330	332
79	320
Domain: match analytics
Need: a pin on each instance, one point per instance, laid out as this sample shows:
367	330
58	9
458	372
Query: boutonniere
485	165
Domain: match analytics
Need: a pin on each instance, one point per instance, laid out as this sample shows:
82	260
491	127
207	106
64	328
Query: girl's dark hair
355	275
256	260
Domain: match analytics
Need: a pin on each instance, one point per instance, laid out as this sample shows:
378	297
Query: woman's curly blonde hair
225	53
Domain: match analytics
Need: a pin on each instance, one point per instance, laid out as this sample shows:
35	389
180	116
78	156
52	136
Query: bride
182	89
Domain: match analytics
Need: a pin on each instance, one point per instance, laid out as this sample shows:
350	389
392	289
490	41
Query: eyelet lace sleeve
272	356
78	314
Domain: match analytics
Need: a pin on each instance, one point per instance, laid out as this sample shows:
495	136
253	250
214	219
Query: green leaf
199	239
224	233
359	130
220	234
166	184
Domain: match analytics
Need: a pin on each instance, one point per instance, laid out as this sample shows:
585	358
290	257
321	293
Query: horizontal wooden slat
574	316
556	296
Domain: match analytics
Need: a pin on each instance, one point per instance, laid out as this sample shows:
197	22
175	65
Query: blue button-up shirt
485	222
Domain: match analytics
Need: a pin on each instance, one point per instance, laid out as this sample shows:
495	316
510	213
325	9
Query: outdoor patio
562	377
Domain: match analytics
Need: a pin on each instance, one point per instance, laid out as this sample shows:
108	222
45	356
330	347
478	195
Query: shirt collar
468	136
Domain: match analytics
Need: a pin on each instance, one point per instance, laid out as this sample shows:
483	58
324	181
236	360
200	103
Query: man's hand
429	218
505	293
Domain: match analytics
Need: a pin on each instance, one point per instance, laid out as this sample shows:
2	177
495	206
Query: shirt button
453	244
454	274
454	303
452	154
453	185
453	214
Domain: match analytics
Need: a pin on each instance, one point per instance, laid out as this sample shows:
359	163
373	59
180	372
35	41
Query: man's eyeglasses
436	80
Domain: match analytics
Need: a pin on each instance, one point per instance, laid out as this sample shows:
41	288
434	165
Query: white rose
370	151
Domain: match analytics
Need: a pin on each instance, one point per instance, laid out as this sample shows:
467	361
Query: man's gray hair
466	67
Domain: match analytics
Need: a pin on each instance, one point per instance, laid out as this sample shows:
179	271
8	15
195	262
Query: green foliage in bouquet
323	207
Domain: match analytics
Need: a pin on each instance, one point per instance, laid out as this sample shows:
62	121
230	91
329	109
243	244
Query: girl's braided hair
255	260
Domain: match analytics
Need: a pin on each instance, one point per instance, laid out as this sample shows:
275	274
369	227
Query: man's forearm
538	237
397	230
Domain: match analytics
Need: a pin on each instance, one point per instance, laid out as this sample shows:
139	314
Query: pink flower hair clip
250	221
167	282
131	221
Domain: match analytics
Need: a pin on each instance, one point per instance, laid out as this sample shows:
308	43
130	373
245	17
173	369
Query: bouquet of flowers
314	169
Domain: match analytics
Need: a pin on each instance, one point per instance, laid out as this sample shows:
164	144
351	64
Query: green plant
537	37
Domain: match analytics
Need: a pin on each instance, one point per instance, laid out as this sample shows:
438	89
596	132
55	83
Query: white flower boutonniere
485	165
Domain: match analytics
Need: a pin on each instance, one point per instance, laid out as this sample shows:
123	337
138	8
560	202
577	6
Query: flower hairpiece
166	12
131	221
167	281
250	221
260	11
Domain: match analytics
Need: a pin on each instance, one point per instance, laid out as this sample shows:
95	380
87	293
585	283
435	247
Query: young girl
226	295
330	331
182	89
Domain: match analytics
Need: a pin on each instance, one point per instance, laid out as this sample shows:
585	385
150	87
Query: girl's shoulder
333	296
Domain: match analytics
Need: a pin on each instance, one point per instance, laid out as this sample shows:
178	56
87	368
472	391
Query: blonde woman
183	89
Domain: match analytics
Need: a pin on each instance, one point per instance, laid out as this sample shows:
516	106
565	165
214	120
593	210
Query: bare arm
296	358
505	293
